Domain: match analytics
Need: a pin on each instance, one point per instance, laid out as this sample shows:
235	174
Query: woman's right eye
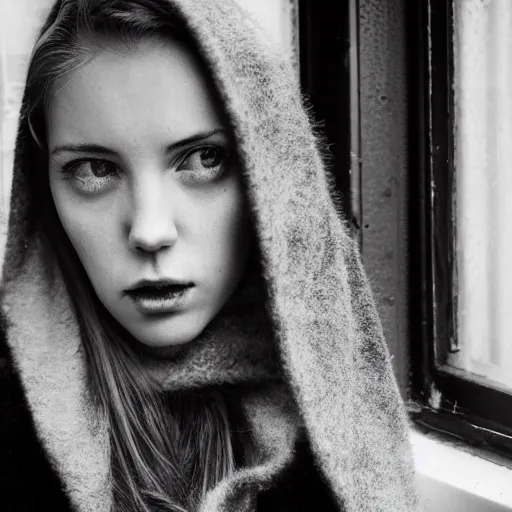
92	175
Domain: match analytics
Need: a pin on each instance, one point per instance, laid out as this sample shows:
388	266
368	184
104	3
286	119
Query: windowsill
453	480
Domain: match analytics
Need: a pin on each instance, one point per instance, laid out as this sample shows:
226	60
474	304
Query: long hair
167	450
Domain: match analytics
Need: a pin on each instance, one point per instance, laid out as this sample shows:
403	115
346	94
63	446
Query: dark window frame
329	76
440	400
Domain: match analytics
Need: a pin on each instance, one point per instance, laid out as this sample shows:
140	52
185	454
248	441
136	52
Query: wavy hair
167	450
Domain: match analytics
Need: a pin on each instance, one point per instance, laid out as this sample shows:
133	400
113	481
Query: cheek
232	235
93	249
90	234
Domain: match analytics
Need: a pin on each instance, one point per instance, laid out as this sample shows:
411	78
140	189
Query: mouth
157	297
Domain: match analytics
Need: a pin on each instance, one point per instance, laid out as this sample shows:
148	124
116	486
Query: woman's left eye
209	160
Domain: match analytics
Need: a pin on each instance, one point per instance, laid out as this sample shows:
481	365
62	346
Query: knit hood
320	365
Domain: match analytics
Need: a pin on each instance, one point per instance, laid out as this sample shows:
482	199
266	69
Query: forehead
157	89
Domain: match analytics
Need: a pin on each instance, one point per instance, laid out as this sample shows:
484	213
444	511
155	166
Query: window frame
328	33
441	398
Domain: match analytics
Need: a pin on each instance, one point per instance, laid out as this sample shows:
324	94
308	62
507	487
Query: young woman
187	323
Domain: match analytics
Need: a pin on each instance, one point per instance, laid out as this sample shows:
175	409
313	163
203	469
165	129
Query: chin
167	338
163	348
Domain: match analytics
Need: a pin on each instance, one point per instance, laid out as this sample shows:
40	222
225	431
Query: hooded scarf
314	355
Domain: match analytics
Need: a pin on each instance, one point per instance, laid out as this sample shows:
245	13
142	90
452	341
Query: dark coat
323	317
28	482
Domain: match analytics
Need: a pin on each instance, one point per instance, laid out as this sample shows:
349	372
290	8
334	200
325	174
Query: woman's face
147	189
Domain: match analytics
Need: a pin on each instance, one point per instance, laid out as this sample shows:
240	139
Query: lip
156	297
157	283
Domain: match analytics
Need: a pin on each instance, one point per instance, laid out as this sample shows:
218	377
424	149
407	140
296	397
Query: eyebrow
102	150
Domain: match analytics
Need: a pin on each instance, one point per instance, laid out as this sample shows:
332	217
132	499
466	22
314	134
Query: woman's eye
208	160
92	175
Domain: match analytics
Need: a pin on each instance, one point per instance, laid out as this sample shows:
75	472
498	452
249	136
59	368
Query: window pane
483	162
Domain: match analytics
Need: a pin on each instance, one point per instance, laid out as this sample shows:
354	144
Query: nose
152	224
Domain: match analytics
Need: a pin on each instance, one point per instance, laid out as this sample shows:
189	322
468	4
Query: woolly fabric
330	377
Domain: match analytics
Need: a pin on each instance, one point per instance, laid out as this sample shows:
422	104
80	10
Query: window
463	128
483	155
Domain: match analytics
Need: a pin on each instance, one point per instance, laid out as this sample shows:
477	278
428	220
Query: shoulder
11	391
14	410
10	386
301	488
6	366
27	479
15	418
